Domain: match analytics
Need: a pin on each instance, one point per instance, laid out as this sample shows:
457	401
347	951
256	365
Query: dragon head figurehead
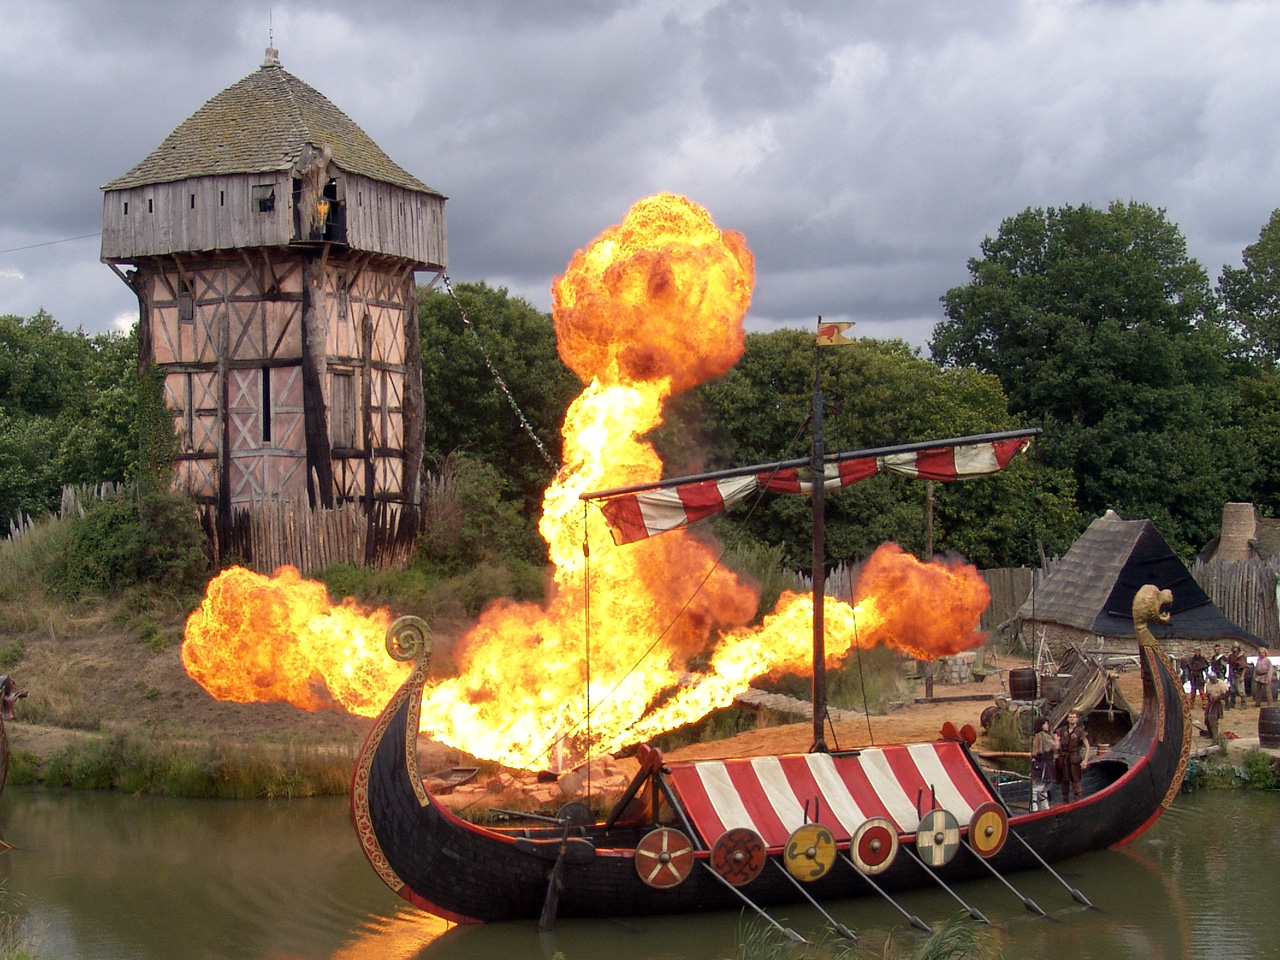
1149	605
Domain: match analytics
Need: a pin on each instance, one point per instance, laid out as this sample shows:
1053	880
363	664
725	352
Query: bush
153	540
1260	770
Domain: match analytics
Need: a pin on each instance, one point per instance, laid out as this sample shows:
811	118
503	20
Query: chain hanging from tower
524	423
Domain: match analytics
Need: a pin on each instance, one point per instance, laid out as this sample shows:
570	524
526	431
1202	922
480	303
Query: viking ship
819	826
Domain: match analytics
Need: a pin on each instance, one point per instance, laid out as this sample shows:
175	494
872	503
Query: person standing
1262	671
1216	691
1044	745
1073	756
1236	663
1218	663
1197	666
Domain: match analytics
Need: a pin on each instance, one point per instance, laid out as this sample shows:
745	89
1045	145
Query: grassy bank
1257	770
221	771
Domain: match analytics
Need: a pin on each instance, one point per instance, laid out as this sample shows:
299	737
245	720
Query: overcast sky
865	149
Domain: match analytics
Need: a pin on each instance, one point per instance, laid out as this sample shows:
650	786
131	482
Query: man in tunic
1262	679
1197	666
1235	678
1073	755
1216	691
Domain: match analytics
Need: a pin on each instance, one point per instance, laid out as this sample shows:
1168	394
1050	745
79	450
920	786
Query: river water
100	876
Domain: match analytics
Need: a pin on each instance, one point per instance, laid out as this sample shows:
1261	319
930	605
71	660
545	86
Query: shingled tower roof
262	124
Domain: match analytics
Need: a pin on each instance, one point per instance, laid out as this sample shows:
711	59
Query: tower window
342	409
150	206
266	405
222	198
264	197
126	208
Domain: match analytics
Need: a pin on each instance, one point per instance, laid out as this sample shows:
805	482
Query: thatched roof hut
1088	598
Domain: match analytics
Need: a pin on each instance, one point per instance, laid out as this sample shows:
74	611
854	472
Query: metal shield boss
738	855
809	852
664	857
874	845
988	829
938	837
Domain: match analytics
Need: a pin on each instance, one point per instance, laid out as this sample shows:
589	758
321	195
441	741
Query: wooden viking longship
711	835
272	246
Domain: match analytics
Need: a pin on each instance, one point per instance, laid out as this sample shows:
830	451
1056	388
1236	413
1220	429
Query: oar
785	931
911	918
1076	895
836	925
1026	901
554	884
974	913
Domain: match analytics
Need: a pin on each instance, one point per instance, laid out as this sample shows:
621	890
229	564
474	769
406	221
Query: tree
1251	294
879	393
466	408
68	411
1097	323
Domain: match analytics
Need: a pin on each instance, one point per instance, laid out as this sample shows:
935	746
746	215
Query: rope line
524	423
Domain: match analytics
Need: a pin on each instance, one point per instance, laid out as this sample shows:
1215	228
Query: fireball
652	307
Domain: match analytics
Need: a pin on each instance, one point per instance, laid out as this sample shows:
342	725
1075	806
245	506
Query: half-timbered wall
228	333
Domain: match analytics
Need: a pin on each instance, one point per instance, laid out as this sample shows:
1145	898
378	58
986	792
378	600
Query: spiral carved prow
1150	605
409	638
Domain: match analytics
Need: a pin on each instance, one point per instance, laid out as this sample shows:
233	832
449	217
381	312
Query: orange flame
651	307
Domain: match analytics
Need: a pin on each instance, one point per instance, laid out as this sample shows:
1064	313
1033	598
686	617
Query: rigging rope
524	423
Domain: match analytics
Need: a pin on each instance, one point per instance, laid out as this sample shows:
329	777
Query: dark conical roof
1093	586
262	124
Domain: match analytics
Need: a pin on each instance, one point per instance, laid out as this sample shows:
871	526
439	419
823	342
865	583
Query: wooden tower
272	247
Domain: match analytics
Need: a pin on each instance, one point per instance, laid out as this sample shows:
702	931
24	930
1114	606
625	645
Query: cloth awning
638	515
842	791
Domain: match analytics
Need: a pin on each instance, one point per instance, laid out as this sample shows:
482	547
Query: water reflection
112	877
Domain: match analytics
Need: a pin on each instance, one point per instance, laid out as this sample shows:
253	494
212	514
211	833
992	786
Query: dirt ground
90	681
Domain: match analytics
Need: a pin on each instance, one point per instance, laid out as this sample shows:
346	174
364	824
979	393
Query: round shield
874	845
664	858
809	852
988	829
938	837
577	813
738	855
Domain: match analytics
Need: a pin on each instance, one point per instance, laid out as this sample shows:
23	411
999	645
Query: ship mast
817	464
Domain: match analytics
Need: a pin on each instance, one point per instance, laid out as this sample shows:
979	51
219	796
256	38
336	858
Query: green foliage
205	771
758	940
469	521
1098	324
468	410
760	564
153	540
68	411
866	681
24	767
1260	770
10	654
1251	295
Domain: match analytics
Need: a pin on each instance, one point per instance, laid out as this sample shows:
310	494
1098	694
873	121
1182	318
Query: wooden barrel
1022	684
1269	727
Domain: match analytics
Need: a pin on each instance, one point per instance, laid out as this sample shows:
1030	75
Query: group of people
1060	757
1219	682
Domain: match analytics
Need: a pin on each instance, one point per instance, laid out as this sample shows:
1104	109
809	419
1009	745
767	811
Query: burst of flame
652	307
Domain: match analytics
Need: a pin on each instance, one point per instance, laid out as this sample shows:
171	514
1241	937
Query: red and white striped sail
775	795
641	514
